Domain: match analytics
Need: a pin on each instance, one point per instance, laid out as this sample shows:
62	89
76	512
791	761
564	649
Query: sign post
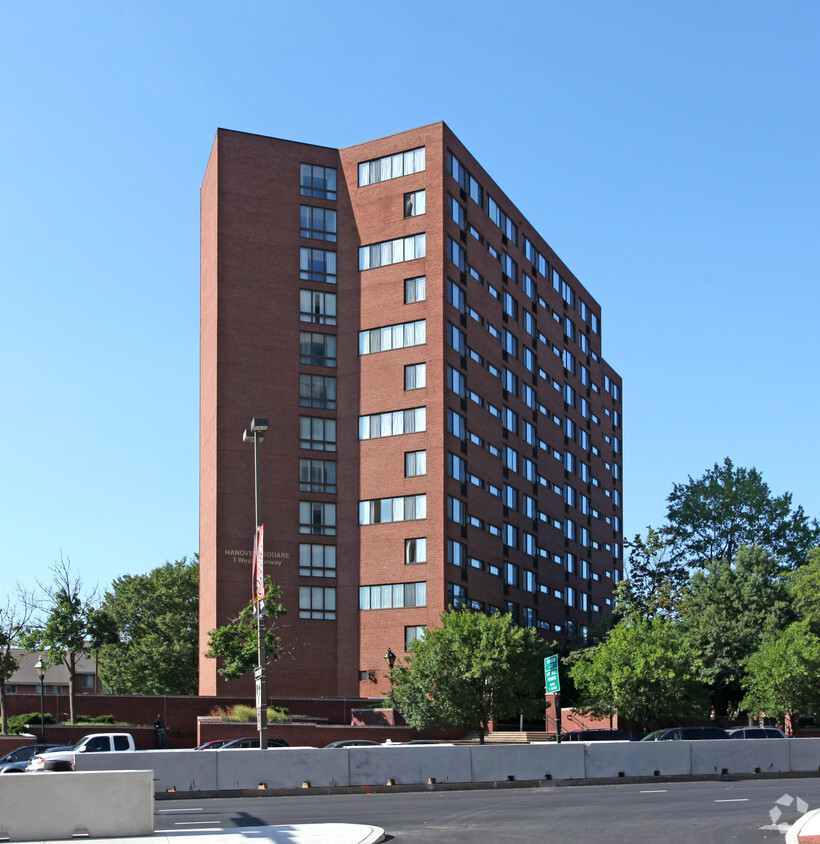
553	687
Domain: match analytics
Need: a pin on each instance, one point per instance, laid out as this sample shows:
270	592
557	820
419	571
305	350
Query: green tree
781	676
235	644
656	577
14	622
70	624
472	668
156	617
726	613
804	586
645	671
712	517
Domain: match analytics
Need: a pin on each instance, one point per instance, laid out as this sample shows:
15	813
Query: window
317	560
456	339
456	467
317	602
511	607
393	423
317	475
317	434
510	574
317	517
465	180
456	510
389	596
415	376
456	382
415	289
415	464
456	254
392	251
414	203
389	337
509	343
317	391
456	596
317	307
316	181
318	223
456	212
456	553
412	633
391	167
317	349
406	508
415	550
317	265
506	225
510	305
509	267
456	296
510	535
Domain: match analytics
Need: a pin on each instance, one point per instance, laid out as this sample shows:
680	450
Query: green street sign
551	679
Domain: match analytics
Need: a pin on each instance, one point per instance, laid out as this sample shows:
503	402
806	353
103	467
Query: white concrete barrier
503	762
230	770
739	756
408	764
174	770
804	754
50	806
747	756
636	759
284	767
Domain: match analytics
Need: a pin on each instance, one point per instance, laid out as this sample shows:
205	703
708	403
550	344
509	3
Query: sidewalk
316	833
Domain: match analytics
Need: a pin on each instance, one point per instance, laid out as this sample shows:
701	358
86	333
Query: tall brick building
444	429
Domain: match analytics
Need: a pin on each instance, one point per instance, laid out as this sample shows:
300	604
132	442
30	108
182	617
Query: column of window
317	475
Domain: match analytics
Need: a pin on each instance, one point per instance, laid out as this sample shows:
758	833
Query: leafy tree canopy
14	621
804	586
156	616
472	668
710	518
781	677
645	671
657	575
727	611
70	624
236	643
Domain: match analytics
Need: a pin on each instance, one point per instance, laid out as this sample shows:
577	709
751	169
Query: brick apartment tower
443	426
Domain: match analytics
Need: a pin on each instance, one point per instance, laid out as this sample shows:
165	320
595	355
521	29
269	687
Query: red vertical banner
259	564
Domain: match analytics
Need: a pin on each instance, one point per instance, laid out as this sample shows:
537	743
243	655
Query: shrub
18	723
244	713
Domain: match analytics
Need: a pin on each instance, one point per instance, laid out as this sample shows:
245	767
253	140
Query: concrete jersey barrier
354	767
94	804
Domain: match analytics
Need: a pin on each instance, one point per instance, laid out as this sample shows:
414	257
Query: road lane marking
654	791
193	823
160	811
734	800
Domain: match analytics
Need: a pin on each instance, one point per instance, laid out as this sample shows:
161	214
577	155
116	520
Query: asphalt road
685	813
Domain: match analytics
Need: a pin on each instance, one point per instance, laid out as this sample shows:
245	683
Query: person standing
159	727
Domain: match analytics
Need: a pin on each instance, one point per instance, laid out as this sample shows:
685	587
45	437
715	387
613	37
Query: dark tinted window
121	743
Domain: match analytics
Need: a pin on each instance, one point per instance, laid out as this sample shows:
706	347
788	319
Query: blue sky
666	151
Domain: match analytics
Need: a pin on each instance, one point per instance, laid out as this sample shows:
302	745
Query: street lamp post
40	668
256	433
390	658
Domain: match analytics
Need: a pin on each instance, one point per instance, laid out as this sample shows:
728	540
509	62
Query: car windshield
654	736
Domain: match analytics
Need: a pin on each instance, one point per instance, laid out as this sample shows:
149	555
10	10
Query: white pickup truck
63	760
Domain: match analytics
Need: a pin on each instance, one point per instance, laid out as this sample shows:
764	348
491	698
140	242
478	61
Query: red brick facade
522	432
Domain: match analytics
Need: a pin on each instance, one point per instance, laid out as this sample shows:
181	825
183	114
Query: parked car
687	734
63	760
214	744
757	732
16	761
353	743
252	742
598	734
